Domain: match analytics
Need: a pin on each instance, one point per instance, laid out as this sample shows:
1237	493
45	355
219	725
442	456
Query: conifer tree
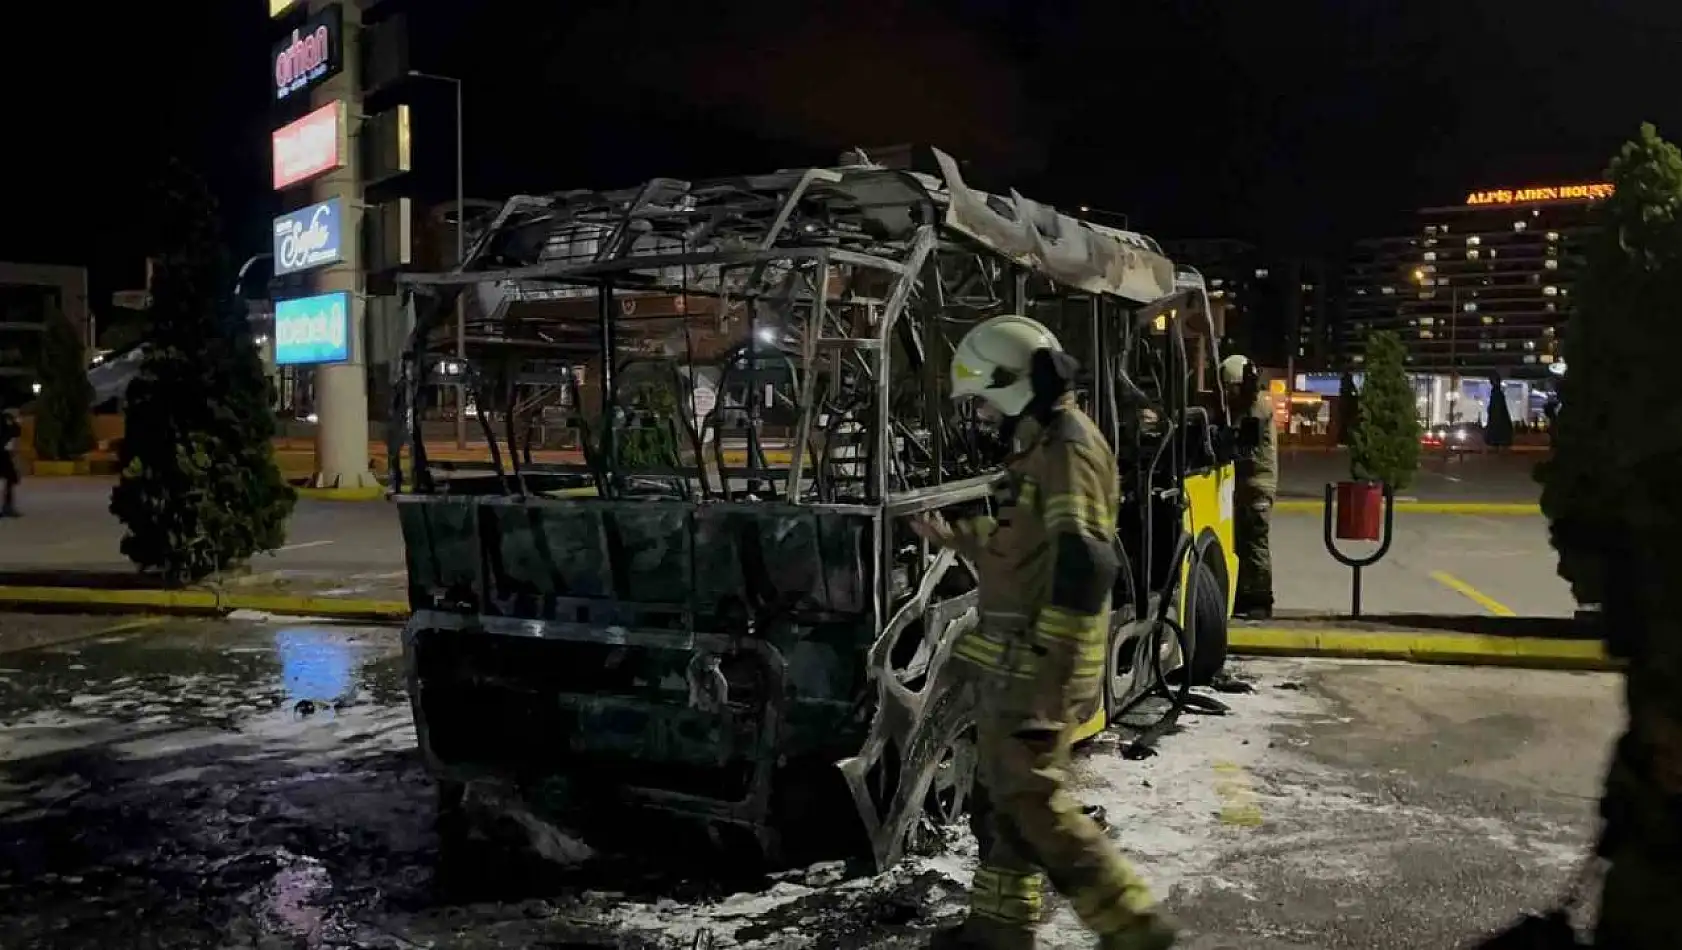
1384	443
199	491
1609	492
64	410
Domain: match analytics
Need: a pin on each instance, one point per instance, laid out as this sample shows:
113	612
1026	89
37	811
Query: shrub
64	410
1384	443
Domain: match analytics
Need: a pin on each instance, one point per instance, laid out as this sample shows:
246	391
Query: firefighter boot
1004	910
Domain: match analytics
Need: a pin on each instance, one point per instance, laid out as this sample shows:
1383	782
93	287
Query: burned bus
704	608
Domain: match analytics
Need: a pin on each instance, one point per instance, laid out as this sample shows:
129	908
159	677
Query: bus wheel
1210	626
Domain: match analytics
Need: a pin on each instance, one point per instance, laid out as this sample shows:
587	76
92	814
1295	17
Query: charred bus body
713	609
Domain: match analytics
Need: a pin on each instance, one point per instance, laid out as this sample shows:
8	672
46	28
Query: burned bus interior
680	580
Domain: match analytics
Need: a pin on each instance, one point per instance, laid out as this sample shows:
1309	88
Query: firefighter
1046	564
1258	485
10	432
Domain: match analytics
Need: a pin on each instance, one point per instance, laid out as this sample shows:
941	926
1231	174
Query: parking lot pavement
1467	565
67	525
212	783
1475	477
1438	564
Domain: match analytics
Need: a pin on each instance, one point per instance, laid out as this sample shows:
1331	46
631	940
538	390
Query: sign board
386	145
311	54
309	237
385	52
278	8
1506	196
311	146
309	330
391	241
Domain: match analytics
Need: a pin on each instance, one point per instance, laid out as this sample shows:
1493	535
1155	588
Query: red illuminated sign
310	146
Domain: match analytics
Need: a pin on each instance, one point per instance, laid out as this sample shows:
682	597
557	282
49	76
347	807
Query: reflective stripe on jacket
1046	562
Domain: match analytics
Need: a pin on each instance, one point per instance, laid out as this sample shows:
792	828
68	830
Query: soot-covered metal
683	588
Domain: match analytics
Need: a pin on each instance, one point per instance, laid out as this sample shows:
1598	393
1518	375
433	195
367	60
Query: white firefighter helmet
993	361
1232	369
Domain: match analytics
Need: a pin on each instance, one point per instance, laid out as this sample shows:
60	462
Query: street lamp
461	257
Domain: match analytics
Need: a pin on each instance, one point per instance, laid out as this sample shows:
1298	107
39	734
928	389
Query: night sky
1295	123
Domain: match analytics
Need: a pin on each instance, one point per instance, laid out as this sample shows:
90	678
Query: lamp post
461	257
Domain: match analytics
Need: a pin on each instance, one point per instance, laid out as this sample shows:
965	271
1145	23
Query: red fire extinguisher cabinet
1360	510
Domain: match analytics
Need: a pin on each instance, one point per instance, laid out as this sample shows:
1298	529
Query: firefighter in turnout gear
1258	485
1046	564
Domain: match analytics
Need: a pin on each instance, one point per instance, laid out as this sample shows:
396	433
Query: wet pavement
252	784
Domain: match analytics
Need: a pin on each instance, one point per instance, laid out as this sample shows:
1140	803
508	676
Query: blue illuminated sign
312	329
308	237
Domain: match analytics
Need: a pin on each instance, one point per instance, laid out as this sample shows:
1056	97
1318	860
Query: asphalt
242	784
1460	565
1502	477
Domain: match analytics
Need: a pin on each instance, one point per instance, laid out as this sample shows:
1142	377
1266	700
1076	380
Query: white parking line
305	544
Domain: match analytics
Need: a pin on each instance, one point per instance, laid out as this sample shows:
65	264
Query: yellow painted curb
167	601
373	493
1295	505
296	606
1421	647
202	602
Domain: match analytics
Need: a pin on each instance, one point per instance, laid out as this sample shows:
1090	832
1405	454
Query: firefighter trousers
1030	829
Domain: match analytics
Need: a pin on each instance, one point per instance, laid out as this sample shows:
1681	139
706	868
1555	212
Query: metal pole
461	298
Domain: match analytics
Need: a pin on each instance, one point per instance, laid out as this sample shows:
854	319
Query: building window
1387	291
1550	291
1472	254
1426	335
1520	225
1553	235
1217	282
1430	255
1474	241
1427	321
1261	272
1530	344
1488	320
1470	306
1551	264
1430	229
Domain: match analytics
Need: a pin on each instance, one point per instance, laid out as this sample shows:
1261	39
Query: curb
373	493
1423	647
201	603
1296	505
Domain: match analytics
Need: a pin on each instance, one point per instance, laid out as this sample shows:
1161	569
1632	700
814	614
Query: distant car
1460	437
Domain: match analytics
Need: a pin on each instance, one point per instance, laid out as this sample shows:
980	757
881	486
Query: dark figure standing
1258	485
10	433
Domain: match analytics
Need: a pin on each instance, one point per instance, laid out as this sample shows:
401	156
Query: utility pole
461	257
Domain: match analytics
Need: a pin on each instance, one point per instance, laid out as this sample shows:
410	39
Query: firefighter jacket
1258	463
1046	565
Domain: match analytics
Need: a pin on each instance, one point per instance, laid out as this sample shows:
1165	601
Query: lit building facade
1484	287
1233	271
1277	311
